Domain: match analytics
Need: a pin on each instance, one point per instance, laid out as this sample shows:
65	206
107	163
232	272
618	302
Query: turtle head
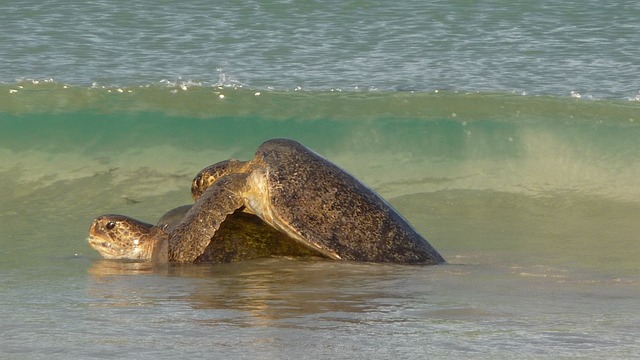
121	237
207	176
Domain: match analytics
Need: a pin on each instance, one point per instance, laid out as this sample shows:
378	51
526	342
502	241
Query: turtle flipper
194	233
173	218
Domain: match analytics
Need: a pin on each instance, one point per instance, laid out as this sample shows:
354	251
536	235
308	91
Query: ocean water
508	134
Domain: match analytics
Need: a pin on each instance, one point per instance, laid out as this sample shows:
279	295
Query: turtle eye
110	225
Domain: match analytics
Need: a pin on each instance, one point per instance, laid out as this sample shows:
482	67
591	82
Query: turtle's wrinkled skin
241	237
304	196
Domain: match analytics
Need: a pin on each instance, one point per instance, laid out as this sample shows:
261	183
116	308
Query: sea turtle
241	236
297	192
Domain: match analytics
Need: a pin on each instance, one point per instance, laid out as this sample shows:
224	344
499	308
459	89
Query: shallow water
507	134
285	308
536	214
547	275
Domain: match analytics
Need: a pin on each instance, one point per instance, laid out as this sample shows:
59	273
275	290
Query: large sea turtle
241	236
302	195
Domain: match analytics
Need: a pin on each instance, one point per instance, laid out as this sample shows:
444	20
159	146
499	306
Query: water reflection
269	292
104	268
279	303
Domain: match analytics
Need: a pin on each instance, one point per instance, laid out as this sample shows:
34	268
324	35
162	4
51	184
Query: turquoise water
507	134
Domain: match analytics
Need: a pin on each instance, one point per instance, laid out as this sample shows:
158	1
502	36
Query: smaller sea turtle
241	237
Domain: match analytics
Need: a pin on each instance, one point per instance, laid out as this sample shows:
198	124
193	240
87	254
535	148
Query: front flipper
194	233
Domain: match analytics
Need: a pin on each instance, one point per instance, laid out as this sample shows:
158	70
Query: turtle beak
98	242
103	247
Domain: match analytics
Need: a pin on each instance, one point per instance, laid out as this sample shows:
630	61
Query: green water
533	201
